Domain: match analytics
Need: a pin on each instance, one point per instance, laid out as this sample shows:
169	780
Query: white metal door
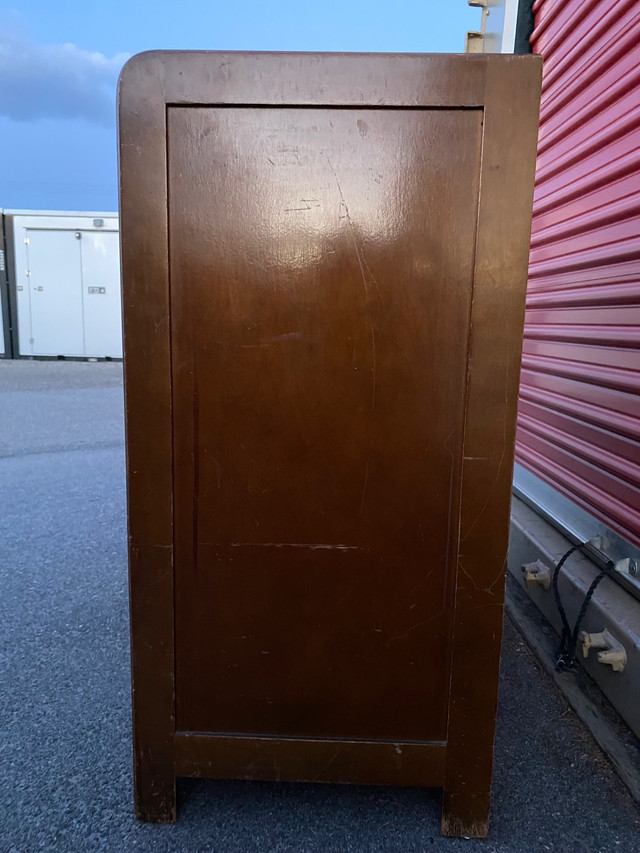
55	293
101	293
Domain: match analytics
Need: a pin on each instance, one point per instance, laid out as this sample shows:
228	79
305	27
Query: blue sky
59	63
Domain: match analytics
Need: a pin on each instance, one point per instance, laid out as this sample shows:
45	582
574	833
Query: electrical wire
566	652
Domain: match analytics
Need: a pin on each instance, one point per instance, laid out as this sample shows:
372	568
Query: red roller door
579	417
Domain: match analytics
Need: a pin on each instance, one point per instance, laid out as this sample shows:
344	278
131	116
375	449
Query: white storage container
67	281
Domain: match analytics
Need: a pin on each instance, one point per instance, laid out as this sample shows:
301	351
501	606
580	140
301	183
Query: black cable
566	653
561	652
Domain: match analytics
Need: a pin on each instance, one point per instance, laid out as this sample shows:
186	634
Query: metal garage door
579	421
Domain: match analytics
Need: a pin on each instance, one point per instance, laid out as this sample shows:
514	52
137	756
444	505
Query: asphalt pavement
65	733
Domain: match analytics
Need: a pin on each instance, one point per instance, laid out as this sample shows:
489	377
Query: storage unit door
55	294
579	416
101	294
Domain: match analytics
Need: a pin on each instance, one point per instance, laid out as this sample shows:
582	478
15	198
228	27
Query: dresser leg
155	795
465	815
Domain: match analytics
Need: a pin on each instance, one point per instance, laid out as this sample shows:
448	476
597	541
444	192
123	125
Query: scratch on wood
418	625
218	471
196	468
328	764
467	575
307	205
274	339
500	463
501	574
489	588
371	275
310	546
373	355
364	486
450	507
458	827
364	279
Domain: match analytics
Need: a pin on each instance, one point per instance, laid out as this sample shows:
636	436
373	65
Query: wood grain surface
324	261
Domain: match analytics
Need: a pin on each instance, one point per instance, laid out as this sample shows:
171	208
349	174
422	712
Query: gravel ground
65	708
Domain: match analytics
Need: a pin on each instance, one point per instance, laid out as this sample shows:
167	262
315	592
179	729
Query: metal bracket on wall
625	565
536	573
613	652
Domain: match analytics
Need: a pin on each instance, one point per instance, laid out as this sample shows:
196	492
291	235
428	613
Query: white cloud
57	81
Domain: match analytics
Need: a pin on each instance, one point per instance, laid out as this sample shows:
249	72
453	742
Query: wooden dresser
324	265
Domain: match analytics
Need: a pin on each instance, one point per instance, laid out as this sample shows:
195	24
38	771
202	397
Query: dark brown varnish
324	260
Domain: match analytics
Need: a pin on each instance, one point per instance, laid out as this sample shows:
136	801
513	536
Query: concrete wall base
612	608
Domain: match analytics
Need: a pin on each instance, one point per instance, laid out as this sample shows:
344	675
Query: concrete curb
610	733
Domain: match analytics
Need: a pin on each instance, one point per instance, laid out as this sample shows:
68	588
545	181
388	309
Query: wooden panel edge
311	79
497	318
307	760
147	386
